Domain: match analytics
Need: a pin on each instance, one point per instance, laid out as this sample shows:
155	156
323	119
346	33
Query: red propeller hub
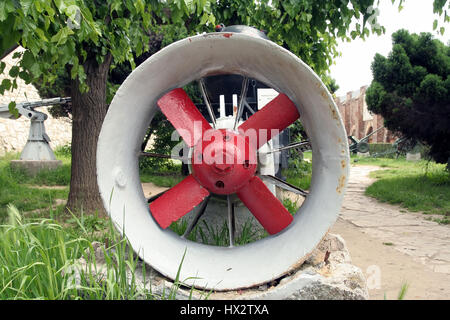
223	161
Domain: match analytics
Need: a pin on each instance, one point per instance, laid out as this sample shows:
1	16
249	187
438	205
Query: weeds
218	235
45	191
33	256
402	292
39	259
291	206
26	192
419	186
160	180
299	172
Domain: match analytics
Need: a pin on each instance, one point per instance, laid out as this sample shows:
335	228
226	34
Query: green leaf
435	24
190	5
6	7
37	5
27	60
89	26
116	5
72	11
41	34
26	6
6	84
13	110
61	36
3	13
212	19
47	22
17	55
62	5
36	70
49	9
25	76
140	6
14	71
204	18
74	69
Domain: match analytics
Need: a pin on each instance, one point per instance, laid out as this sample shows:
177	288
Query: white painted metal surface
129	115
37	147
265	95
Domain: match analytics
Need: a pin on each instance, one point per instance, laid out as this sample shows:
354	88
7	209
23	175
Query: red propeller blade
277	114
266	208
184	115
178	201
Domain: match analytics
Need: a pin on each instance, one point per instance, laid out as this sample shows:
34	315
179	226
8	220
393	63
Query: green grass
418	186
402	293
307	155
163	176
444	220
161	180
218	235
36	256
40	193
300	181
26	192
38	259
299	172
291	206
386	162
38	248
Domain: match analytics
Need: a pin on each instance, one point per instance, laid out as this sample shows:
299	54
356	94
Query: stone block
413	156
327	274
34	166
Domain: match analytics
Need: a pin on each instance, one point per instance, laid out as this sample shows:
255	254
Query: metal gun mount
37	147
361	146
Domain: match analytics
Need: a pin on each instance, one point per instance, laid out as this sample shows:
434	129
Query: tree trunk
88	111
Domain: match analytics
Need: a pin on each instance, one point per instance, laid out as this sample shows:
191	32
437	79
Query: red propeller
276	116
225	164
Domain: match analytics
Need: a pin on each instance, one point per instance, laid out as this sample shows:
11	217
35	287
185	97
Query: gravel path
394	245
391	245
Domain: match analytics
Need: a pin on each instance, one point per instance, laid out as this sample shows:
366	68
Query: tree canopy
63	34
86	39
411	90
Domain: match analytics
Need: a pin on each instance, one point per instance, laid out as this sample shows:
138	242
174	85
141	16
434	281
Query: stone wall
14	133
359	121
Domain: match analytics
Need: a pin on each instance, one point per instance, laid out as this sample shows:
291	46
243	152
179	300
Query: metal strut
37	146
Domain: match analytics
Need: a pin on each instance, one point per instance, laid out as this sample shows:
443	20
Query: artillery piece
240	182
362	145
37	152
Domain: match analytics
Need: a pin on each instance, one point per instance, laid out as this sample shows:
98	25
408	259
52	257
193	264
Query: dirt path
150	189
393	246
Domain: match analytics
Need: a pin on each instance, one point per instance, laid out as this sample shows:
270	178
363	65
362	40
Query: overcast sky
352	69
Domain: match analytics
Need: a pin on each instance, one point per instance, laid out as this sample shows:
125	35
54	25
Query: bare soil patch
391	245
403	245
